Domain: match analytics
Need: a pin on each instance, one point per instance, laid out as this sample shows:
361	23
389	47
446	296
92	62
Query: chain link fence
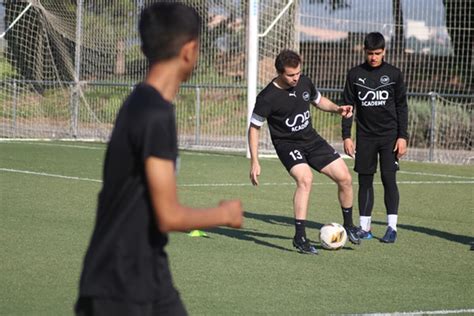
66	67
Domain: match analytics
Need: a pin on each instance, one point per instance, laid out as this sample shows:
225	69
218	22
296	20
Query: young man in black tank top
284	104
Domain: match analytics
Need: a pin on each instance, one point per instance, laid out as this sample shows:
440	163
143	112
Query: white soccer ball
332	236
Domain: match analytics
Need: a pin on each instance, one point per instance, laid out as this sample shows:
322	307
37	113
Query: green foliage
104	103
419	117
134	52
52	105
453	124
208	75
222	111
6	69
115	18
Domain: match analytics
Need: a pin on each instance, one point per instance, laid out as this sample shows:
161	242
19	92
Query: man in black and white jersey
284	103
377	91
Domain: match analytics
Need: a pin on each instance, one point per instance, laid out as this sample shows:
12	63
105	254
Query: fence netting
66	67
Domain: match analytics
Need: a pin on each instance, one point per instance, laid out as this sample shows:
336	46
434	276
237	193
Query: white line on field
222	184
49	140
435	175
48	175
438	312
192	153
55	145
314	183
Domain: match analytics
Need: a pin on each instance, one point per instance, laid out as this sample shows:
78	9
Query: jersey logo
384	79
362	80
300	121
373	98
292	94
306	96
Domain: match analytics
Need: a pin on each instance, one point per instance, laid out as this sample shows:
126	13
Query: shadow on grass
280	220
464	240
249	235
258	237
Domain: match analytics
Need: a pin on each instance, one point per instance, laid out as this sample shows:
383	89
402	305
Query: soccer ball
332	236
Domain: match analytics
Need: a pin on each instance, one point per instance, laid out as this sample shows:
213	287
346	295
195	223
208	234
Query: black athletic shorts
92	306
317	153
369	149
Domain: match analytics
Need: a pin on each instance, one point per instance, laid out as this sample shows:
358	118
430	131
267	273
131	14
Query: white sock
365	222
392	220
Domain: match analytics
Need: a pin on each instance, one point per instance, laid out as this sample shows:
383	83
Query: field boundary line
316	183
435	175
53	145
436	312
34	140
46	142
222	184
49	175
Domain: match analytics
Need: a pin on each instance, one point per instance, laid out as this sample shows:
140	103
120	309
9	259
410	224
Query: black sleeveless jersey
287	111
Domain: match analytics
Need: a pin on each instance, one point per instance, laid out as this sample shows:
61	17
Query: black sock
366	194
347	215
300	230
391	195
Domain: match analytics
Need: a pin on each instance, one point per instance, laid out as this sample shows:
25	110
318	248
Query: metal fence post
77	69
71	108
197	132
432	126
252	61
15	97
75	110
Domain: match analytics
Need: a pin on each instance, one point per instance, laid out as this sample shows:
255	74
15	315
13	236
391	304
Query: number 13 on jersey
296	155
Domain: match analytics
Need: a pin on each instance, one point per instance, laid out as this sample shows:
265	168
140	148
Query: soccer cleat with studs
390	236
303	246
365	234
353	234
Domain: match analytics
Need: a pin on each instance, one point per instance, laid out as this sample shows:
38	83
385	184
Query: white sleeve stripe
257	119
318	97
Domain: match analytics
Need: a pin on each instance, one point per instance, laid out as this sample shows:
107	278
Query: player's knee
388	178
305	182
366	181
345	180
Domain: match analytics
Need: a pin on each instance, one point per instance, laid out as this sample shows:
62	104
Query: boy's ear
189	51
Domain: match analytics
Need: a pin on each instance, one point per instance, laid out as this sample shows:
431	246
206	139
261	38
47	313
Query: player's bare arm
253	135
327	105
171	215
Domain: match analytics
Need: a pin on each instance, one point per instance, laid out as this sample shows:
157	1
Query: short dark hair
287	58
374	40
165	28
